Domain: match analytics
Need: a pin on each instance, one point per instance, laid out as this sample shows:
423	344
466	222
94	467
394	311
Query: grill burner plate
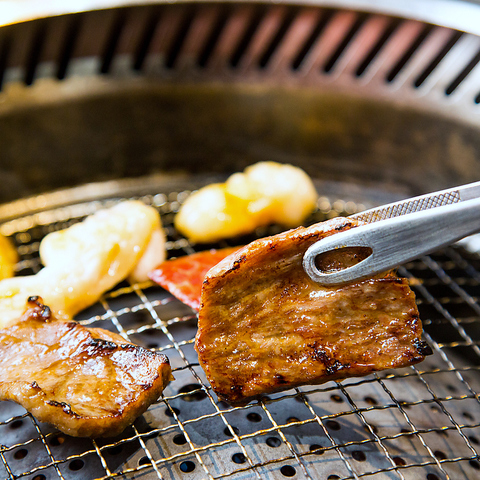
411	423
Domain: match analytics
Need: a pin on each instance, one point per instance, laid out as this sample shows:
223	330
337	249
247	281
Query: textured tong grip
395	241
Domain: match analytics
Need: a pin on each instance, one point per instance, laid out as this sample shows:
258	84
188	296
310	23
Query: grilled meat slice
88	382
264	326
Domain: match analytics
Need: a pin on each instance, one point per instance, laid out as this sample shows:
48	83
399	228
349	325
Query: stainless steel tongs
399	232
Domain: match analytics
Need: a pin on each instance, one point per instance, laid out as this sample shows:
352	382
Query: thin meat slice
88	382
264	326
183	276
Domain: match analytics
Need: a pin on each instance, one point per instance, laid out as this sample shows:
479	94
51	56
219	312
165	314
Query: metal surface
399	232
183	93
414	423
356	95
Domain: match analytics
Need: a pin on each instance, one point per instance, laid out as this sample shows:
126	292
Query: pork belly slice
264	326
87	382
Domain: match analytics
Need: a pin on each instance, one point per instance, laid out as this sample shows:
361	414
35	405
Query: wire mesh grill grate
417	422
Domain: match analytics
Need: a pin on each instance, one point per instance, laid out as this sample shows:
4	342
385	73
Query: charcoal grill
151	100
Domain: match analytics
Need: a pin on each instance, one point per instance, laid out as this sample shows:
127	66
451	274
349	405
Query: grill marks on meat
264	326
87	382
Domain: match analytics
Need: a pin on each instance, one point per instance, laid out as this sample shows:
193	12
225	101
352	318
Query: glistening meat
264	326
88	382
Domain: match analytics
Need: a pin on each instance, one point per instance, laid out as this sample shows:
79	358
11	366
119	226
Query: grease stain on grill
399	461
192	392
336	398
39	477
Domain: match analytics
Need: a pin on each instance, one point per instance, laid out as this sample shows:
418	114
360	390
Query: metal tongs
397	233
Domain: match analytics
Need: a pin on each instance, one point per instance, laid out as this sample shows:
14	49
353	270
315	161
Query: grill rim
463	15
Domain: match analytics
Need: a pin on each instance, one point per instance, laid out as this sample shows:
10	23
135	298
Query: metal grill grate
421	422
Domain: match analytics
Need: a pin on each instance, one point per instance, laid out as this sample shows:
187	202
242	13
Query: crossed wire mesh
418	422
403	208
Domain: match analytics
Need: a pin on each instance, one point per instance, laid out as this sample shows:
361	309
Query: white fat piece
87	259
266	192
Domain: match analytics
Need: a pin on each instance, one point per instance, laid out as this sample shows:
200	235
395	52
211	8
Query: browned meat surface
264	326
88	382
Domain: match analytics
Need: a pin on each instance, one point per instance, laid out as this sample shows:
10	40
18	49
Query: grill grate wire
358	428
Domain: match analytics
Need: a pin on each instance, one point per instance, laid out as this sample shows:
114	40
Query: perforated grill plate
421	422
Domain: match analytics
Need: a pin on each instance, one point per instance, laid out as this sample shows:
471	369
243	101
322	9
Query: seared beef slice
88	382
264	326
